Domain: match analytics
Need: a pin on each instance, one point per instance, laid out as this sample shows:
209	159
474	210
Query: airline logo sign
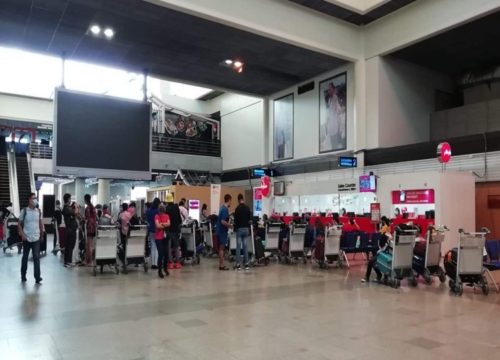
265	185
444	153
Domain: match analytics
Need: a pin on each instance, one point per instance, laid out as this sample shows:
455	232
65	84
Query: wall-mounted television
367	183
279	188
101	136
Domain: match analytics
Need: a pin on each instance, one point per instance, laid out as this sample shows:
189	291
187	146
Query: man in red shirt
162	223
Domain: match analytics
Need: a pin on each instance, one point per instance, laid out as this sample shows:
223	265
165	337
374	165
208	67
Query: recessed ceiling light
229	62
95	29
238	64
240	69
109	33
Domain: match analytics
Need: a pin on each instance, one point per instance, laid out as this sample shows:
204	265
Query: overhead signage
348	162
444	153
258	172
343	187
425	196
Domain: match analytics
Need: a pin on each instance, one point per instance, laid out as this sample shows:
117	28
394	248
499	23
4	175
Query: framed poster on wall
333	114
283	128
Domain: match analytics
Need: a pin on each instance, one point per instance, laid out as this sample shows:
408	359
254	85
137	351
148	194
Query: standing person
162	223
124	222
184	211
31	229
60	227
204	213
69	215
242	219
174	233
150	218
91	227
222	228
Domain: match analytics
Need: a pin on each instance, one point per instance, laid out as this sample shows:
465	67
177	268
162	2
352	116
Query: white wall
14	107
242	130
170	161
306	116
406	98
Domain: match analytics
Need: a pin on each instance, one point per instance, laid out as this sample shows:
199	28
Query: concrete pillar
79	191
103	192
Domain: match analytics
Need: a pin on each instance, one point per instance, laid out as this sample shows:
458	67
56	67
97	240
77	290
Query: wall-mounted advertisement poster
333	114
283	128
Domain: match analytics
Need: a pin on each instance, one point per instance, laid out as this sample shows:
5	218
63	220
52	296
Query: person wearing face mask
31	229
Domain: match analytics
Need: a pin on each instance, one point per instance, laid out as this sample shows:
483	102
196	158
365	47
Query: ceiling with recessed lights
167	43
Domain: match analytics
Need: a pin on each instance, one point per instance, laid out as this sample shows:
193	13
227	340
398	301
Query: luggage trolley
188	232
13	238
430	265
273	230
206	230
134	251
397	264
296	244
332	246
106	241
464	264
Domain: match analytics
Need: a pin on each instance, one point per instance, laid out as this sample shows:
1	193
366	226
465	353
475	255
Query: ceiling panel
168	43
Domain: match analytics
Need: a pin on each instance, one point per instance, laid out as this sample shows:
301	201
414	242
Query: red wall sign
444	152
375	212
258	194
265	185
413	196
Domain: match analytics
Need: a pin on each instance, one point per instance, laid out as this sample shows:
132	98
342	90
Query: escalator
23	180
4	180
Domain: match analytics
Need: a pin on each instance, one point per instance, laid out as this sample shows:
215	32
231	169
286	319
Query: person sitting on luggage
382	245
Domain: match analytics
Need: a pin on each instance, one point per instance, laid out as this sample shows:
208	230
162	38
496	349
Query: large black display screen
101	136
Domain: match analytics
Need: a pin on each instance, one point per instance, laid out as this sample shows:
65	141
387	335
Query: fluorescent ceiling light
228	62
238	64
95	29
188	91
109	33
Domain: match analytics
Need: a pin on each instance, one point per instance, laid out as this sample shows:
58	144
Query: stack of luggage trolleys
193	250
293	248
327	252
396	263
464	264
134	251
106	246
427	258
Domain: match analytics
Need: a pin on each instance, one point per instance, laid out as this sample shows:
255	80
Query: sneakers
160	274
68	265
363	280
237	267
39	281
178	265
170	266
247	267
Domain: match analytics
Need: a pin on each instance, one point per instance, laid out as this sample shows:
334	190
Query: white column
79	191
103	192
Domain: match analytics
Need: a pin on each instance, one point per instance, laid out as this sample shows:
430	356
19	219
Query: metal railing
39	151
164	143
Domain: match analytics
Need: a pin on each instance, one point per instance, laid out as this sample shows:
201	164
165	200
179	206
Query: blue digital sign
348	162
258	172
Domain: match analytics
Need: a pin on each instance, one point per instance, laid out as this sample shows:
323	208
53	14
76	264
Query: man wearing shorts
222	227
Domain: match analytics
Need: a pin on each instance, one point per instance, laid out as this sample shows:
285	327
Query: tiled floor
275	312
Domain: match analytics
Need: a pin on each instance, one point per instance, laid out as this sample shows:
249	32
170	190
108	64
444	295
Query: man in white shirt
30	229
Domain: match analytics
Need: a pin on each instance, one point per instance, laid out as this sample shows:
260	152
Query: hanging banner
257	201
375	213
215	190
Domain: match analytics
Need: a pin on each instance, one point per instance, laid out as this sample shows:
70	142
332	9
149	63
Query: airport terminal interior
249	179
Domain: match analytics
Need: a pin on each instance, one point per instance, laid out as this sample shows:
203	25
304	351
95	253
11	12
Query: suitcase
259	249
420	248
418	264
384	262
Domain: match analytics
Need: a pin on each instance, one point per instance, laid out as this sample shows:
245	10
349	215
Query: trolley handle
484	231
